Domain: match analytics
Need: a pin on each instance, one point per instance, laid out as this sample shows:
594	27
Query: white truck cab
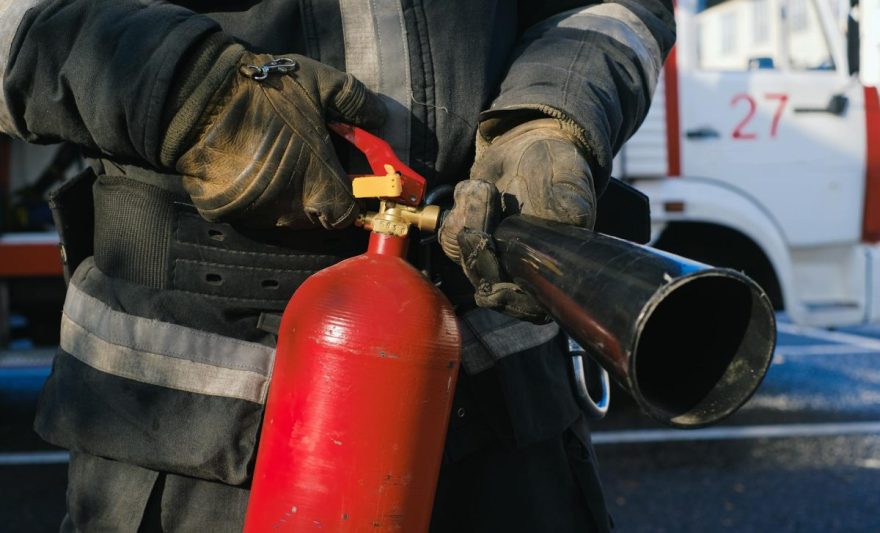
762	153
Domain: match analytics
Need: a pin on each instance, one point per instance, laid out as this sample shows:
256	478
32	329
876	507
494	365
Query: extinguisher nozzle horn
690	342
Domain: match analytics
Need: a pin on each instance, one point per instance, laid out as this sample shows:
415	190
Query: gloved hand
251	143
537	168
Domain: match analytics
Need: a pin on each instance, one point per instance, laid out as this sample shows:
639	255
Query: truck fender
698	200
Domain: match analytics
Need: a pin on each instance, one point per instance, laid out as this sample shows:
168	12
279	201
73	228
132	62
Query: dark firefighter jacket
163	366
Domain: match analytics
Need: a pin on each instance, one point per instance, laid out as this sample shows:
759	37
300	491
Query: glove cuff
499	122
208	70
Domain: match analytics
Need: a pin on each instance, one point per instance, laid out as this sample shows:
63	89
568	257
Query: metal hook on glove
281	65
583	368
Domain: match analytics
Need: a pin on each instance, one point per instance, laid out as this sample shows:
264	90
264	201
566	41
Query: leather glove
252	145
537	168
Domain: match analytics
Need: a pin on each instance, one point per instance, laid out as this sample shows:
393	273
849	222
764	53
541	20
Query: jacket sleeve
94	72
594	67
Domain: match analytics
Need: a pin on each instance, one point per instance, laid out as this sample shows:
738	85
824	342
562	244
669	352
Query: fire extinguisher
365	371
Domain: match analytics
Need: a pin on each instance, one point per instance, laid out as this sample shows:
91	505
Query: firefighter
215	190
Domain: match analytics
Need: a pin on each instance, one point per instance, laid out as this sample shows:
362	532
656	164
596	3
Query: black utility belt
149	235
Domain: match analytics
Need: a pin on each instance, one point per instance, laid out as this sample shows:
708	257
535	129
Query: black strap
73	211
152	236
270	323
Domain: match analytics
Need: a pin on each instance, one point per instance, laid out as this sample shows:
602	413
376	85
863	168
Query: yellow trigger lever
387	186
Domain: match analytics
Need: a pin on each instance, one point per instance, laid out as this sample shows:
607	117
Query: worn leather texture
261	153
538	169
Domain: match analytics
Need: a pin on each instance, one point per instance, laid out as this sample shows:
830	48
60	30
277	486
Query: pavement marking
30	237
870	463
34	458
35	357
736	432
823	349
831	336
609	437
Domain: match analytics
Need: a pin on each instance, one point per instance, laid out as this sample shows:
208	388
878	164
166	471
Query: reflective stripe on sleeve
11	14
161	353
619	23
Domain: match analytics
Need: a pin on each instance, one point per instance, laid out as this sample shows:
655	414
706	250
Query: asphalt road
803	455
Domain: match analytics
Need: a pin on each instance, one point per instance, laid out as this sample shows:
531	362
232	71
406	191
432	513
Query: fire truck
761	151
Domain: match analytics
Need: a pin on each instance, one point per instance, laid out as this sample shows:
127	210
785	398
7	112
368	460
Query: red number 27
739	132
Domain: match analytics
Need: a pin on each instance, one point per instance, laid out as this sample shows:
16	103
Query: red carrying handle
379	154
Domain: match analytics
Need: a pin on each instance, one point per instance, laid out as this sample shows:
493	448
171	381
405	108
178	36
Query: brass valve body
393	218
396	219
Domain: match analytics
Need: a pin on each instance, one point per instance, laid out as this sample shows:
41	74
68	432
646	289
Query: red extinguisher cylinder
356	417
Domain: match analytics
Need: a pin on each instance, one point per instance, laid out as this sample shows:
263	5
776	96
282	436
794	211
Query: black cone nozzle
690	342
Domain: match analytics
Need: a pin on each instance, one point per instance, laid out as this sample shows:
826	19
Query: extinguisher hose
440	195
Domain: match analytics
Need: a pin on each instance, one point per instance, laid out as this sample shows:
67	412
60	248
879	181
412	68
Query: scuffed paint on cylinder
356	418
